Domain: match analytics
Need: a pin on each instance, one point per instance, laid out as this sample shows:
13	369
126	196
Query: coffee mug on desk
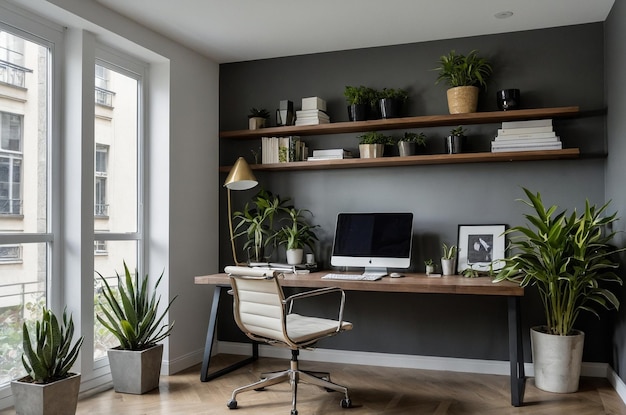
508	99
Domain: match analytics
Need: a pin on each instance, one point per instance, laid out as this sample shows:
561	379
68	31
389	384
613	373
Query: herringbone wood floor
373	390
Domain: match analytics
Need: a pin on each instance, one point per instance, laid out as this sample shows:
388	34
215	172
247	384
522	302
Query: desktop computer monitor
375	241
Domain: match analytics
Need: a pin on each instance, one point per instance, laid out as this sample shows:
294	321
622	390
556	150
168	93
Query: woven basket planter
462	99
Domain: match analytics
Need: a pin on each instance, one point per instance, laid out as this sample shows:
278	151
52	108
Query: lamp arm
230	228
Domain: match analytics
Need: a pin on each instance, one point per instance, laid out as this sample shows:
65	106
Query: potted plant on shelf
360	100
372	144
257	118
256	223
49	387
448	259
568	258
464	75
391	102
131	314
407	145
455	141
297	235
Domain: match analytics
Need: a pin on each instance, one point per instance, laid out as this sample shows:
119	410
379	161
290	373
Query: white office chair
264	314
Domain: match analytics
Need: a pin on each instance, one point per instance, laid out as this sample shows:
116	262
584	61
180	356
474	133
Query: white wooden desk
411	283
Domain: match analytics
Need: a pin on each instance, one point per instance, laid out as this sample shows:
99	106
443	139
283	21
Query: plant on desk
430	266
567	257
297	235
256	223
448	259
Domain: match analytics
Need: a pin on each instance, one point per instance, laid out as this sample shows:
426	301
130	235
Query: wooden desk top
411	283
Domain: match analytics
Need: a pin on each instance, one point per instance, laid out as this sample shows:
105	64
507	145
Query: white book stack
330	154
530	135
313	112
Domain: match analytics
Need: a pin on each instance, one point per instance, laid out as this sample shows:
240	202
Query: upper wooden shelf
570	153
407	122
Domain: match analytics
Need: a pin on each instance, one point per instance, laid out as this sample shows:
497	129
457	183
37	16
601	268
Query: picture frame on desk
481	247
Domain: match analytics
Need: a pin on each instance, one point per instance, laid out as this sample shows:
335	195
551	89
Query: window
103	95
101	207
25	228
10	164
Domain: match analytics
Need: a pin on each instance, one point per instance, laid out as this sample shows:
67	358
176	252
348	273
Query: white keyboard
369	276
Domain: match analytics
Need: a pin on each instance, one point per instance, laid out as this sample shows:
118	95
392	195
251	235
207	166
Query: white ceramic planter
557	360
447	266
294	256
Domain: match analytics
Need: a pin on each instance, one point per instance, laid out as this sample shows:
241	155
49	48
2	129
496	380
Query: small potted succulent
429	266
407	145
455	141
448	259
257	118
372	144
464	74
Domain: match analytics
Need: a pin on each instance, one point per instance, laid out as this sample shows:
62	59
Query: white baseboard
618	384
452	364
169	367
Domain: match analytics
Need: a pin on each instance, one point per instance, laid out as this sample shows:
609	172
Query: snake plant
53	354
131	312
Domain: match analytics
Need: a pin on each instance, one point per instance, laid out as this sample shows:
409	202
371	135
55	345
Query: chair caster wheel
346	403
260	389
232	404
294	412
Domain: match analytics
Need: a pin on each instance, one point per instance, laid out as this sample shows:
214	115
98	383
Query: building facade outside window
10	164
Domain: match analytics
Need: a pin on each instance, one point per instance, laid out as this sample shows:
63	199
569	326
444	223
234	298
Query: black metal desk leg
205	376
516	352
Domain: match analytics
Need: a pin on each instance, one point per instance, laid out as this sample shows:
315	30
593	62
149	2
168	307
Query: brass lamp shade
240	176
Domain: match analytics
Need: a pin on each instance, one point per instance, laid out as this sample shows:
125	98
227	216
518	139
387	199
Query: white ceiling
240	30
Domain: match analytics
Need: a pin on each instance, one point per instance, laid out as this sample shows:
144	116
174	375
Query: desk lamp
239	178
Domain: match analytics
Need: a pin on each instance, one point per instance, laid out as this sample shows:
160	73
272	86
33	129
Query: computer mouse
396	275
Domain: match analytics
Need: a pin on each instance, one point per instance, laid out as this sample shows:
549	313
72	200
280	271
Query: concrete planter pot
556	360
56	398
447	266
256	123
294	256
135	372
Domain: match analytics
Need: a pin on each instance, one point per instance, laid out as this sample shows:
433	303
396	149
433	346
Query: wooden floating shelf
407	122
570	153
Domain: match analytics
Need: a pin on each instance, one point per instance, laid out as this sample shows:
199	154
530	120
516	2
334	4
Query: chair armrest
289	301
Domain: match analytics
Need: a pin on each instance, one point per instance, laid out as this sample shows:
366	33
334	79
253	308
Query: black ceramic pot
508	99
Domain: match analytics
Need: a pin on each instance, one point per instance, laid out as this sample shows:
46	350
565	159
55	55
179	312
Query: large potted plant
49	388
464	75
568	258
297	235
131	313
372	144
256	224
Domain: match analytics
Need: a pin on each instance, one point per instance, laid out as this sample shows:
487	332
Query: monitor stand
375	270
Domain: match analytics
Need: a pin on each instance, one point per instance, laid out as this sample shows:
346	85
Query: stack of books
282	149
526	136
330	154
313	112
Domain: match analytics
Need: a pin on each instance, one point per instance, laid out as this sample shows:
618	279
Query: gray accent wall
616	161
552	67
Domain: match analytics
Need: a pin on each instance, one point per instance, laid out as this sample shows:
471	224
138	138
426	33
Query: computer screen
375	241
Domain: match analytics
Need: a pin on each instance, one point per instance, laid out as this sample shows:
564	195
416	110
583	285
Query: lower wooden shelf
569	153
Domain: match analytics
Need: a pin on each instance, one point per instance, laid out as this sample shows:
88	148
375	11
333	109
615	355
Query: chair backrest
258	305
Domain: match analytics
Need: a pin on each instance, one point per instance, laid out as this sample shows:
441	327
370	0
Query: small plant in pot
391	102
408	144
448	259
257	118
48	365
131	313
569	259
256	223
463	74
429	266
297	235
455	141
360	100
372	144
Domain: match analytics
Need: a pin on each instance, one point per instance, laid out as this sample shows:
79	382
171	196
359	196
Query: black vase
508	99
357	112
390	107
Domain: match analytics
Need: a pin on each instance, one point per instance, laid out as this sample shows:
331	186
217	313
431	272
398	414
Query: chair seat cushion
301	329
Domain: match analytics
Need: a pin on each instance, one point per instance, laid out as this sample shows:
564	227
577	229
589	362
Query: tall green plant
566	258
53	355
460	70
299	233
131	314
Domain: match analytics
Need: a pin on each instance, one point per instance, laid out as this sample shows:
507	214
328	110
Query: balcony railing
104	97
101	210
13	74
10	206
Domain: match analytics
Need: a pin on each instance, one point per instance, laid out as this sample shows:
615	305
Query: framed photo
480	246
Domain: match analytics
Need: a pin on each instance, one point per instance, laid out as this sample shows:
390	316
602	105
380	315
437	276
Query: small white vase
294	256
447	266
430	269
